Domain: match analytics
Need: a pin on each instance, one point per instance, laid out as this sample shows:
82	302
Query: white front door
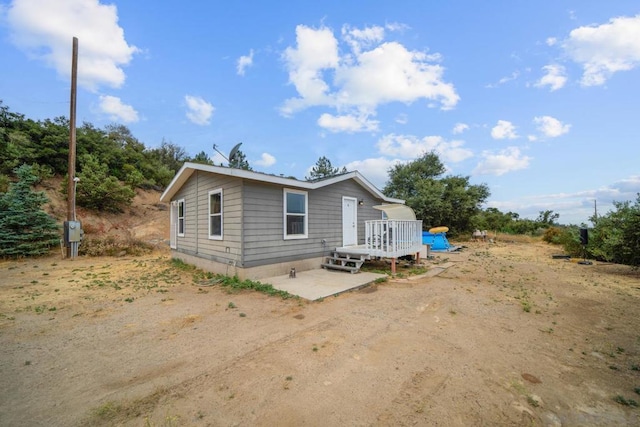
349	221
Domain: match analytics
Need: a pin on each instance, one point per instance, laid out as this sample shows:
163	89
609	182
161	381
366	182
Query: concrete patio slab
321	283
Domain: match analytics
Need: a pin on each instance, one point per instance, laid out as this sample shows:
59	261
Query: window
295	214
181	217
215	214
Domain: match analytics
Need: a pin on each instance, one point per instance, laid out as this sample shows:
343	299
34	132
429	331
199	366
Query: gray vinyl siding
196	240
264	241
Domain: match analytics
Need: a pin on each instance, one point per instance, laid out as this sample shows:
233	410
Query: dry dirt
506	336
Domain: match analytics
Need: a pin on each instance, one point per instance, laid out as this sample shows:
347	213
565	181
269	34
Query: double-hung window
181	217
295	214
215	214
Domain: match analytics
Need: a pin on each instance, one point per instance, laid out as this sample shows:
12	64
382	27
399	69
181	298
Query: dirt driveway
506	336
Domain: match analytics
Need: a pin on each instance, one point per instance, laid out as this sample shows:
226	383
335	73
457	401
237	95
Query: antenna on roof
232	154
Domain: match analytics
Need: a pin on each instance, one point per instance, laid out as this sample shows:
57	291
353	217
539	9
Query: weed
231	305
27	362
619	350
533	402
40	309
129	299
637	390
315	348
381	280
626	402
243	315
289	378
526	305
453	312
635	367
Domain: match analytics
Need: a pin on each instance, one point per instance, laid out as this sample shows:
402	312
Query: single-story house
256	225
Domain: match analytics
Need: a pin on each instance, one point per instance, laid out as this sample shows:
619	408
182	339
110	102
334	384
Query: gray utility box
72	231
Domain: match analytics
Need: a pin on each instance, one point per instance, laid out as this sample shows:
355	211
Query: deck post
393	266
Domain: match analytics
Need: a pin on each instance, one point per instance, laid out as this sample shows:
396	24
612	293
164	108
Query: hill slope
147	219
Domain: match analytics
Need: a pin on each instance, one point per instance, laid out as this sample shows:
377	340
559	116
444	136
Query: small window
181	217
295	214
215	214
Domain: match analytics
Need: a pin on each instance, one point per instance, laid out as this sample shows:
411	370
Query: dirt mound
147	219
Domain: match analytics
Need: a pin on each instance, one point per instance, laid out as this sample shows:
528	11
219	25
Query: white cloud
44	30
551	127
410	147
265	160
555	77
551	41
605	49
402	119
199	111
316	51
507	160
368	73
459	128
374	169
347	123
245	62
504	130
504	80
116	110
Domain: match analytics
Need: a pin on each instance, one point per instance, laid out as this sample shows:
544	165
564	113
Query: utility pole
72	248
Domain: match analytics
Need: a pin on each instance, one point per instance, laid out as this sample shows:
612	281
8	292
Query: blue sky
539	100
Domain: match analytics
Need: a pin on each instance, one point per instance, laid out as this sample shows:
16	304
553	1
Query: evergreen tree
100	191
240	162
25	229
324	169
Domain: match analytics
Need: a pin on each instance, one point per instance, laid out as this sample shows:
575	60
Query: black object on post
584	236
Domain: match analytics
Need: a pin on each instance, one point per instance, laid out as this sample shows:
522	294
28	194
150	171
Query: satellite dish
233	153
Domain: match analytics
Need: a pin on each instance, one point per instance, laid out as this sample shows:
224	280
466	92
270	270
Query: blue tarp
438	241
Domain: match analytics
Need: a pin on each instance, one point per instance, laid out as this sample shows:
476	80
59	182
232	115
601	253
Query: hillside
147	219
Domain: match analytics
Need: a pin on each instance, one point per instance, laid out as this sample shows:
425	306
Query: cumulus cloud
116	110
551	127
347	123
375	169
605	49
44	30
361	74
504	130
409	147
265	160
244	62
551	41
507	160
555	77
199	111
459	128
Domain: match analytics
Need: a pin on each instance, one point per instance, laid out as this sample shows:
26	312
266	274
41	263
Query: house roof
189	168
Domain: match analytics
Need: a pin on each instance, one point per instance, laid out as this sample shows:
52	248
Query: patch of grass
118	412
231	305
637	390
624	401
381	280
243	315
129	299
533	402
315	348
234	284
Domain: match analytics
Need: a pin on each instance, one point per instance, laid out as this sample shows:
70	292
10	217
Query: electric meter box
72	231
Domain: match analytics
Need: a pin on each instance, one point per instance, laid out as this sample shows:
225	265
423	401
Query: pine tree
25	229
324	169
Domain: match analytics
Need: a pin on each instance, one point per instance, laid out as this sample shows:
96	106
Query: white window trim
178	217
211	236
284	215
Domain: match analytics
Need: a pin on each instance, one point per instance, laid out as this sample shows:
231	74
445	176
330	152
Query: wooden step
350	269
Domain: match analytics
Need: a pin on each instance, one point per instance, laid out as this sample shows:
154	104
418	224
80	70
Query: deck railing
393	238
